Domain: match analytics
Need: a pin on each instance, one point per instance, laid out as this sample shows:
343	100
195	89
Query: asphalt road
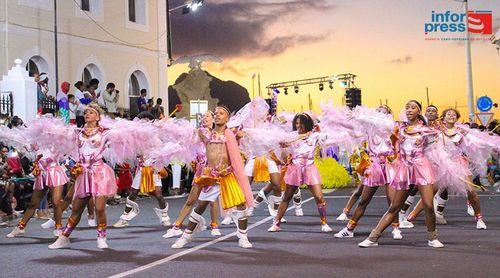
299	250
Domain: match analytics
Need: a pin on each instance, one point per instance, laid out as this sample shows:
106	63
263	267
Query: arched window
32	68
89	72
136	82
36	65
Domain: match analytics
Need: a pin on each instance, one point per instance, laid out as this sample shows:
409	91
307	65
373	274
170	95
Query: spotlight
321	86
343	84
285	90
296	88
330	84
276	90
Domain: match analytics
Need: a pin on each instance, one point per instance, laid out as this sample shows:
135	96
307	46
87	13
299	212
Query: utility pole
470	85
427	93
6	29
56	52
310	102
169	36
258	81
253	86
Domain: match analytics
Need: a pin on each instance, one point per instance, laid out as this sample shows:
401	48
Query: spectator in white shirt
111	97
79	90
73	105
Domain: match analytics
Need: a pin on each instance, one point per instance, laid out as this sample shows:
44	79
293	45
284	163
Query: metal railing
49	106
6	104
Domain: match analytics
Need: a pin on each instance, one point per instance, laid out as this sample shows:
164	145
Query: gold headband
418	105
93	109
222	107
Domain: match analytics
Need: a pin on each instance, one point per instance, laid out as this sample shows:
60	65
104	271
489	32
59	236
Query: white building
119	41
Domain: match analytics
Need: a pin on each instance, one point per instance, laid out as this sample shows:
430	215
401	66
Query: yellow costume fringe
230	192
261	170
147	181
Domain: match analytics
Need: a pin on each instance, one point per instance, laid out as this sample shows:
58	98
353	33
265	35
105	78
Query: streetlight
468	63
188	6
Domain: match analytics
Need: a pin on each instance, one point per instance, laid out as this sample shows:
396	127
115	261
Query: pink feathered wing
237	165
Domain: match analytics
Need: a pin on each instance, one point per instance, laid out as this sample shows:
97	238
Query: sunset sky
383	42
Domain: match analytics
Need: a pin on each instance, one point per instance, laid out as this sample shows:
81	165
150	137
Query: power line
82	37
111	34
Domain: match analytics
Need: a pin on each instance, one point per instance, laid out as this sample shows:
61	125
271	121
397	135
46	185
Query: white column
24	91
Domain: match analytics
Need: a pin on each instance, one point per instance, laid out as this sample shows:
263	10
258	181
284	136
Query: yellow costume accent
207	178
332	173
364	163
147	181
261	170
36	170
163	173
230	192
76	170
282	178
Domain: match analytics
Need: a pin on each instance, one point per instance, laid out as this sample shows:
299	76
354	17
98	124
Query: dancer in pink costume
95	179
223	176
302	169
200	163
411	168
377	174
463	150
49	175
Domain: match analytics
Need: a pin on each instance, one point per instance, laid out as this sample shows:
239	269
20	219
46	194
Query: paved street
299	250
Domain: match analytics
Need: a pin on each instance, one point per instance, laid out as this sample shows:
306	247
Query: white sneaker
250	211
367	243
16	232
49	224
61	242
326	229
121	223
102	243
440	219
274	228
215	232
405	224
435	243
401	216
243	242
470	210
163	216
396	234
57	232
283	220
342	217
480	225
227	220
173	232
299	212
344	233
182	241
92	222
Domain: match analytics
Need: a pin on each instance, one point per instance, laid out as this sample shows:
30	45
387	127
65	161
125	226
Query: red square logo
480	22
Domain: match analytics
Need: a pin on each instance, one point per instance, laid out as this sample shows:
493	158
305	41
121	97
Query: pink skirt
402	176
52	177
96	180
376	174
298	175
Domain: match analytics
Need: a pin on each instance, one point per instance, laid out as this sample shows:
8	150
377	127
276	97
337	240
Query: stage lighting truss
345	80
